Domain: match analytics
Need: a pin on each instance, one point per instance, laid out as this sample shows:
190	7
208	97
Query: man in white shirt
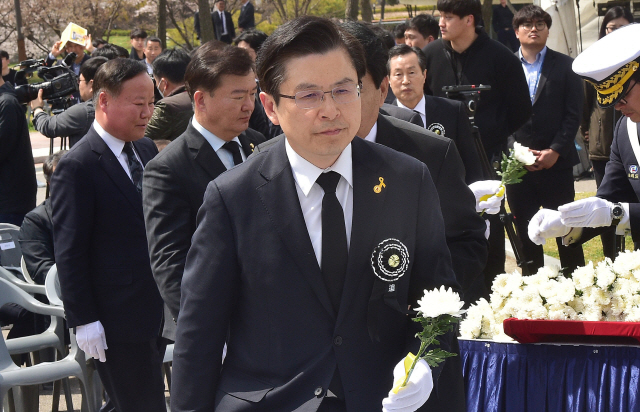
290	245
110	297
222	23
221	84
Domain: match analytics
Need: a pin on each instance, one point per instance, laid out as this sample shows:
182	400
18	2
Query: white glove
487	231
490	189
589	212
415	393
92	340
546	223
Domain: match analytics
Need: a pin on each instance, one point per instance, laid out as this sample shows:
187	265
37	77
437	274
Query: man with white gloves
100	242
612	66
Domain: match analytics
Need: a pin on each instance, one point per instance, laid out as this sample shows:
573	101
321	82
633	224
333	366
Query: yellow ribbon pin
378	188
408	361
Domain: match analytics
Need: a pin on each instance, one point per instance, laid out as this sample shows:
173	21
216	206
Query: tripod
469	95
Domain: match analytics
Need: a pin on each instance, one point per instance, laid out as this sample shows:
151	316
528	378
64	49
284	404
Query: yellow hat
610	62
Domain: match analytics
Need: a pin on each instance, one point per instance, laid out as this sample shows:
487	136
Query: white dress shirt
224	22
310	193
116	145
226	157
419	108
371	137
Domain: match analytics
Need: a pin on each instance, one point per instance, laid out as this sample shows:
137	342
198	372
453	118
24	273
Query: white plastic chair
25	271
27	287
74	364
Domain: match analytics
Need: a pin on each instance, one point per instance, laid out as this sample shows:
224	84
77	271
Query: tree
367	13
351	12
206	23
161	26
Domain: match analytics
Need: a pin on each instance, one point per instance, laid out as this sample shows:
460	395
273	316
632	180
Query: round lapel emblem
390	260
436	128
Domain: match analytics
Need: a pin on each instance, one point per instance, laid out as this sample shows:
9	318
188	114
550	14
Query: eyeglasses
623	99
613	27
310	99
539	25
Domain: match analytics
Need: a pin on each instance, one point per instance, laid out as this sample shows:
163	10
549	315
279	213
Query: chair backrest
25	271
10	251
52	286
10	293
27	287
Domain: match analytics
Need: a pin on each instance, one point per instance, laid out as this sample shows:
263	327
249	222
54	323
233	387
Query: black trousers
608	238
548	189
132	376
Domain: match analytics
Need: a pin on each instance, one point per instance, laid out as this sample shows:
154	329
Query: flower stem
423	347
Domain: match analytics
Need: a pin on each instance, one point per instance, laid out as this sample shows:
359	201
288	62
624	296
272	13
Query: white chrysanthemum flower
633	315
577	304
604	274
503	337
564	292
471	326
548	289
584	276
626	263
594	296
439	302
506	283
523	155
550	272
592	314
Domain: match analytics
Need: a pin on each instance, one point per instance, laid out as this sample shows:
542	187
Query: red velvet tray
571	331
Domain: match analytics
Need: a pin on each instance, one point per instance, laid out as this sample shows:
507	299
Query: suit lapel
547	65
247	145
280	199
203	153
115	171
367	210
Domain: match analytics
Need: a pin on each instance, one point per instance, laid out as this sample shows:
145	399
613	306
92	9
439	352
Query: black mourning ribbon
135	168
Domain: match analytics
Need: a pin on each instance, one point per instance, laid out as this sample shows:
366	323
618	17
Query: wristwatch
617	213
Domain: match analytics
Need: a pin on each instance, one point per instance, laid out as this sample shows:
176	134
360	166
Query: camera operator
75	121
17	171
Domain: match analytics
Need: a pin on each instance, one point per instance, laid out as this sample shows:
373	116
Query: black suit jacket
173	187
36	241
252	272
217	25
17	172
557	111
101	244
449	118
246	20
401	113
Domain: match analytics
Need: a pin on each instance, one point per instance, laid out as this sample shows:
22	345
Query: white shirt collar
373	133
215	142
419	107
116	145
306	174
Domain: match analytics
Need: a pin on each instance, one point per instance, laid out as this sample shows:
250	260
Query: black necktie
134	166
335	251
234	148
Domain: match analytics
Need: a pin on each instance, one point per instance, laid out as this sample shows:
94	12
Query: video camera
59	82
468	95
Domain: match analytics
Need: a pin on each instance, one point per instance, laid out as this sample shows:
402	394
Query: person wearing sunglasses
612	67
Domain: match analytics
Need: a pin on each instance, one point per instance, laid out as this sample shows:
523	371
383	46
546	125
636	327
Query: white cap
610	62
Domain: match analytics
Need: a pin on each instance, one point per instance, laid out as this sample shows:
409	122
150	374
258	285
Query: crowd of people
276	205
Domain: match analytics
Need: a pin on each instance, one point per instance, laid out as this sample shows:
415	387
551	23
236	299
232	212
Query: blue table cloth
511	377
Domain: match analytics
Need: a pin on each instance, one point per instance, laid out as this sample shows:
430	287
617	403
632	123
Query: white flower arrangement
608	291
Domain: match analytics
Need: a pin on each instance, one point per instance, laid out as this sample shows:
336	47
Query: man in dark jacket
556	97
172	113
465	55
17	172
246	20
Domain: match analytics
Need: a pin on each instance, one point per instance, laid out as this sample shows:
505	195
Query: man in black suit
221	83
556	96
612	67
407	74
246	20
100	240
270	270
222	23
17	173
